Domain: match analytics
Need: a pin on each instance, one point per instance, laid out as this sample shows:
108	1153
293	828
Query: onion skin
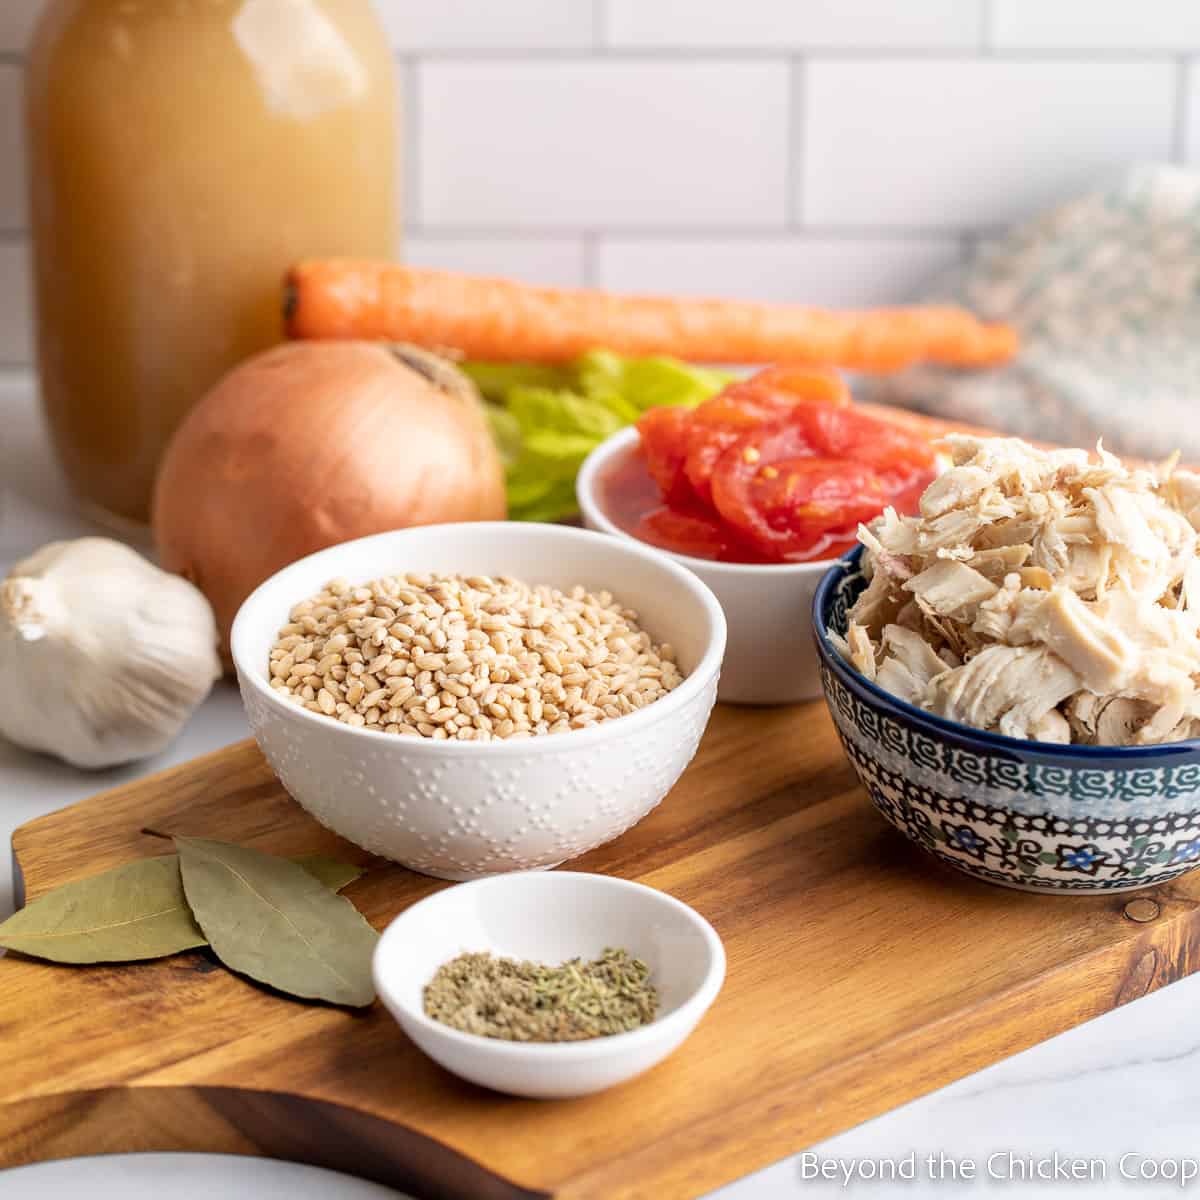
310	444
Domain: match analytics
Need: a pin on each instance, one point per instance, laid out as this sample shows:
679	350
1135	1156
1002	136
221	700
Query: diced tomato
664	433
905	464
685	533
716	424
845	433
905	486
779	466
787	506
786	386
832	545
729	410
705	447
773	394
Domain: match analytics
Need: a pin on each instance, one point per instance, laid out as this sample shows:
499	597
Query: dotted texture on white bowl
464	814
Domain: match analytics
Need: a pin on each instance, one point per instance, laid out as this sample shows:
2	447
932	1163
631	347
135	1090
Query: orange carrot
928	428
505	321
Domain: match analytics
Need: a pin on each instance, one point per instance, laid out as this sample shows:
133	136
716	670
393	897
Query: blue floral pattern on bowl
1023	814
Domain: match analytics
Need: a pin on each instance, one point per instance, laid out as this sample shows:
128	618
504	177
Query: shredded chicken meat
1043	594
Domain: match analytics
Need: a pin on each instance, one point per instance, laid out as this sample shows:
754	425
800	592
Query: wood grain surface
861	975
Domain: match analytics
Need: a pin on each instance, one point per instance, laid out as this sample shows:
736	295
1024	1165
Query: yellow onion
314	443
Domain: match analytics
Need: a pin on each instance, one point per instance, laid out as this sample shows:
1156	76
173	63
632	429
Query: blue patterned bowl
1028	815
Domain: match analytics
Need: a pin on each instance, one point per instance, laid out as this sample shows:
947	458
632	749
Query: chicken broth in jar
183	153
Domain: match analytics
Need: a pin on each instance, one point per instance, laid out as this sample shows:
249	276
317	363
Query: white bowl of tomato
759	491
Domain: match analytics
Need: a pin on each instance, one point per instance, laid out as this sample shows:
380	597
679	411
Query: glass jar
183	153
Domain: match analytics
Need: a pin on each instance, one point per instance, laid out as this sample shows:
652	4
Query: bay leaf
330	872
130	913
134	911
270	919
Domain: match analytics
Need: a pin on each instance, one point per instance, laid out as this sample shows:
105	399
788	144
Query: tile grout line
986	37
1192	81
685	54
590	241
410	123
18	236
682	55
1179	127
673	233
797	104
600	22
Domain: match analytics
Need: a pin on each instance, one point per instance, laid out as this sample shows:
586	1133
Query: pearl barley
472	658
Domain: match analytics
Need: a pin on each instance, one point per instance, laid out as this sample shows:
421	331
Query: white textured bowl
551	918
462	810
771	658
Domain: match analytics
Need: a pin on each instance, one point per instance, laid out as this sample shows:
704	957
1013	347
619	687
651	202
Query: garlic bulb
102	655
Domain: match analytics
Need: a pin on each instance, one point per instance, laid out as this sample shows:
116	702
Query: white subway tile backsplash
971	143
829	152
798	24
1191	117
17	18
602	144
1118	25
559	262
12	148
415	25
832	272
16	305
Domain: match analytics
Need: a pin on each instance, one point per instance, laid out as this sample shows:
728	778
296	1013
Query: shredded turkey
1043	594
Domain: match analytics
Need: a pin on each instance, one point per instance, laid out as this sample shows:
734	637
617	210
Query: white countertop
1122	1090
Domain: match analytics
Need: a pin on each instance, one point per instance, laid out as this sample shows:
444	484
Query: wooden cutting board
861	975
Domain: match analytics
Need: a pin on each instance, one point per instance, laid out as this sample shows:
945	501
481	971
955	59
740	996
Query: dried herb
329	872
133	912
268	918
532	1002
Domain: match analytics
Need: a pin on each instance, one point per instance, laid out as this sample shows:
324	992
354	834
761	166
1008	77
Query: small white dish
771	658
464	810
550	918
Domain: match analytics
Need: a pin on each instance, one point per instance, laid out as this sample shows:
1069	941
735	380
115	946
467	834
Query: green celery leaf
546	420
657	382
506	431
541	409
494	380
601	370
643	383
556	504
560	452
527	485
